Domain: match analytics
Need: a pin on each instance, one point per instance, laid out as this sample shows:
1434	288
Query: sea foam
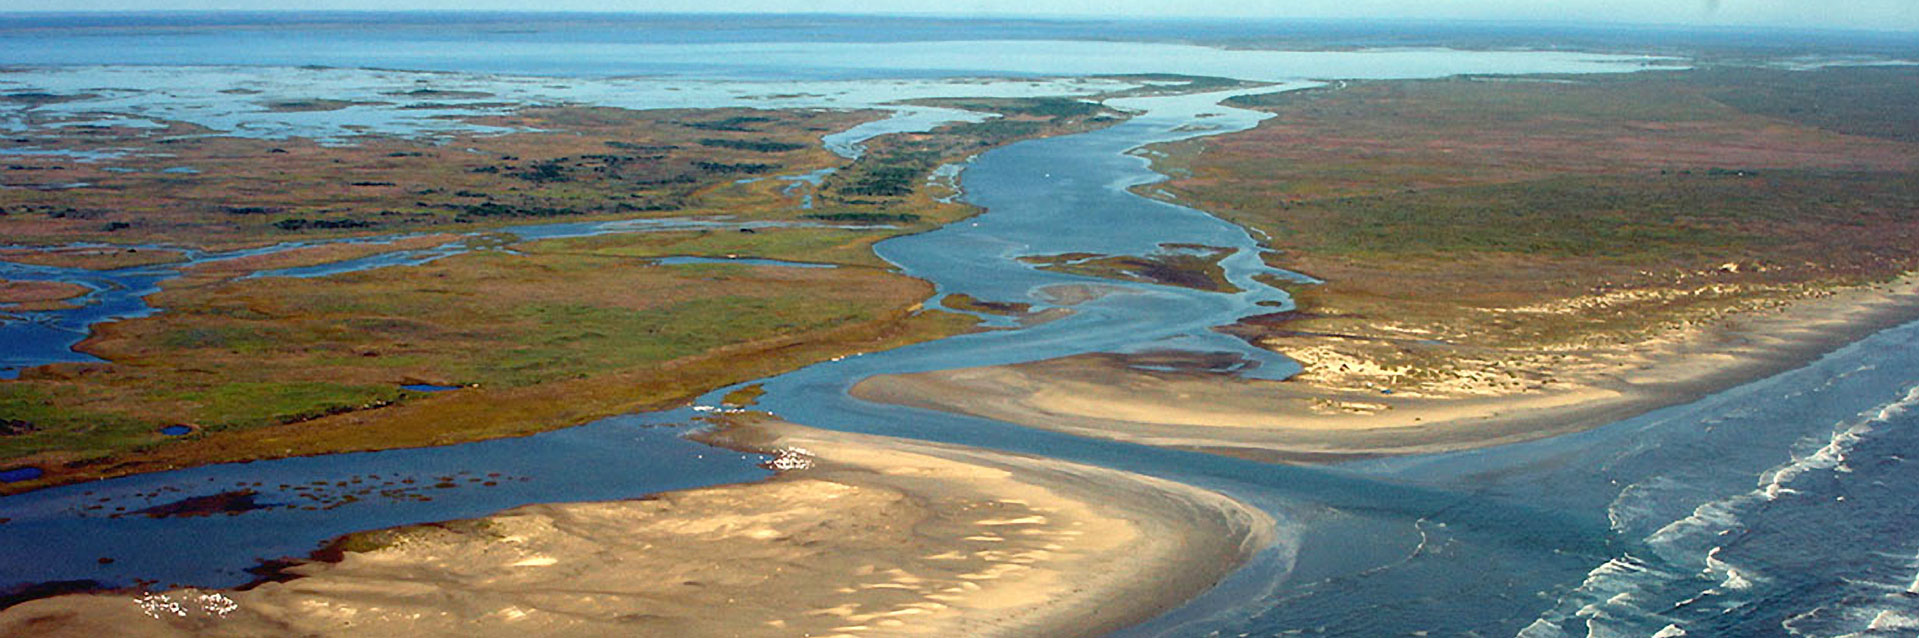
1610	598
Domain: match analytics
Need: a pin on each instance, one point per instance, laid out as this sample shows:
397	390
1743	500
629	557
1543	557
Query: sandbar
1327	416
867	536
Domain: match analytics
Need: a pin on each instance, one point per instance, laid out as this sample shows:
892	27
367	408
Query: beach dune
1330	413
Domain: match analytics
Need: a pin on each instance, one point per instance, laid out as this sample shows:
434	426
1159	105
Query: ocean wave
1894	620
1894	612
1689	563
1831	457
1883	620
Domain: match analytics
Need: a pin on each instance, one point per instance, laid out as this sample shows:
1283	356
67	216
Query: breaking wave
1819	545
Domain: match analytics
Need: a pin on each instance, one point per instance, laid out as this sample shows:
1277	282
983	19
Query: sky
1897	15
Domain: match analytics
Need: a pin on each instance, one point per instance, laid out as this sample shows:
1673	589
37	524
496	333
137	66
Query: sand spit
1332	417
871	537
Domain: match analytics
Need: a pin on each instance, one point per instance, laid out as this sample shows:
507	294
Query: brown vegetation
1475	233
37	295
560	164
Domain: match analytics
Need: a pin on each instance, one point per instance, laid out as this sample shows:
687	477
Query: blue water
1787	505
278	37
1724	517
36	338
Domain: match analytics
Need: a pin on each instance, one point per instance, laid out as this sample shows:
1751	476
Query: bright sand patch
880	537
1331	413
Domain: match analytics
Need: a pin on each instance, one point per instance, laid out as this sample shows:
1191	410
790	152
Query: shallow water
235	100
29	339
1704	516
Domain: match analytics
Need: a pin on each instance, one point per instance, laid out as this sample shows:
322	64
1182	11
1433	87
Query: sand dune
1331	415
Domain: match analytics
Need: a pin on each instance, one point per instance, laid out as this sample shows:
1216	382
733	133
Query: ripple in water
1820	545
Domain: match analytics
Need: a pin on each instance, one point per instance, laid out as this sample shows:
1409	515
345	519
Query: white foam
1607	592
1541	629
1898	621
1608	588
1735	582
1607	600
1706	520
1913	588
1623	565
1894	619
1829	457
1899	407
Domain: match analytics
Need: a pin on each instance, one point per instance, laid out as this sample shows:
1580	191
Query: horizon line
1041	17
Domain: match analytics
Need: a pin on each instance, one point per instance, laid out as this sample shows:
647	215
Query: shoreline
1299	421
861	535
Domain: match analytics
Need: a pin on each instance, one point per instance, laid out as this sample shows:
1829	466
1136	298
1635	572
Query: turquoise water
1719	518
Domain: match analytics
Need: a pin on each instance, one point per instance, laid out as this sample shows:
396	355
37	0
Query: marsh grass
307	349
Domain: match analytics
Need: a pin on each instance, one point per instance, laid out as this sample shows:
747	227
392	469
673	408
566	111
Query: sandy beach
870	536
1333	412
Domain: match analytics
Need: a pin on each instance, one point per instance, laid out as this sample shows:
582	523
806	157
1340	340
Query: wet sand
1319	418
878	537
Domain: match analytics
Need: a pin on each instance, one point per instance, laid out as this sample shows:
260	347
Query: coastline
869	536
1303	420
